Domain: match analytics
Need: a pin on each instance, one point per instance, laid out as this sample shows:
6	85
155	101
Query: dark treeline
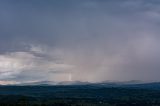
77	96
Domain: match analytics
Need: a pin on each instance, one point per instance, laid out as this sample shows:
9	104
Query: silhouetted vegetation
77	96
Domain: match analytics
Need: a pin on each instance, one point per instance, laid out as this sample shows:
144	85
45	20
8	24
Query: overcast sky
84	40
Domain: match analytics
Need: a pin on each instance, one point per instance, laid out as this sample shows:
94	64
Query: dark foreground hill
81	95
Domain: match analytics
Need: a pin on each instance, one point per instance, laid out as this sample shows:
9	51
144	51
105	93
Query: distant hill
48	83
126	84
38	83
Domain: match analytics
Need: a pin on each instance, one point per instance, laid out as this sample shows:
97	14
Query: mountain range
126	84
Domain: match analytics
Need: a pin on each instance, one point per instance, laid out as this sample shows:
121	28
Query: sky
79	40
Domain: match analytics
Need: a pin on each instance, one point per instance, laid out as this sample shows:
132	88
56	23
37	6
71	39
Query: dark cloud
92	40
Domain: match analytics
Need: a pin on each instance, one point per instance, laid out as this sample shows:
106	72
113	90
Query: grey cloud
94	40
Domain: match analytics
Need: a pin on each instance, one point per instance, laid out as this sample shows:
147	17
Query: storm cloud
88	40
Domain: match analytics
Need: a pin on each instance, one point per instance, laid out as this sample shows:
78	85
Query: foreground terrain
81	95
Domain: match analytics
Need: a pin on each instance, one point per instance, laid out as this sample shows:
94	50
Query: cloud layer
88	40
